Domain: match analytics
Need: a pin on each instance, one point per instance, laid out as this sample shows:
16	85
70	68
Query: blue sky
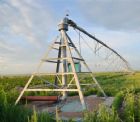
28	26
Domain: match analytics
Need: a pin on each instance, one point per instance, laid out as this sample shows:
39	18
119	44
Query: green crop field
124	87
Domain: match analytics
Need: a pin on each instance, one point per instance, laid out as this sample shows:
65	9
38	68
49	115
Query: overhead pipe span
74	25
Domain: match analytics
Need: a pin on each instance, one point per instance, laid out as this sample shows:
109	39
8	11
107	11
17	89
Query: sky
28	26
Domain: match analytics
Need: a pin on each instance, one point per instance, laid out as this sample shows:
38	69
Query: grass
10	112
131	112
125	88
104	114
118	100
15	113
127	101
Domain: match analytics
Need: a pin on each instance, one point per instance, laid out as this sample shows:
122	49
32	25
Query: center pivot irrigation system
66	80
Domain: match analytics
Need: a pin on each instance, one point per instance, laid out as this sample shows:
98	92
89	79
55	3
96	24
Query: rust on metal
40	98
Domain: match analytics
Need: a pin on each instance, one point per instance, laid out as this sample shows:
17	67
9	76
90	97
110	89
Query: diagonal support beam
94	79
75	75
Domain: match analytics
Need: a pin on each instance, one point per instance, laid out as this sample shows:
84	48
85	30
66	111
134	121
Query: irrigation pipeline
75	26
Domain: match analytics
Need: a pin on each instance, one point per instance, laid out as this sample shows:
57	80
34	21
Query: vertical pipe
63	27
64	62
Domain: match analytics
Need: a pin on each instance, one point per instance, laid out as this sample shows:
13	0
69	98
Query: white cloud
24	29
5	46
112	14
27	18
25	26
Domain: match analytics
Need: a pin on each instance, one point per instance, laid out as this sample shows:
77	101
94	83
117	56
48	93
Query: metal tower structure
65	46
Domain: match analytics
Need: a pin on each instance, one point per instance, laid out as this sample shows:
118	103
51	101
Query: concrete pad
72	107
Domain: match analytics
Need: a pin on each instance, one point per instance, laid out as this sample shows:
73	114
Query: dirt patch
71	108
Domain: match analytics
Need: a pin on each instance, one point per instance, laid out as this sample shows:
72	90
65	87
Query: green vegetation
15	113
131	112
118	100
125	108
104	114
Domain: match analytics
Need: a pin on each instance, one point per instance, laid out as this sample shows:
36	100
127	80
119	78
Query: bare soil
71	108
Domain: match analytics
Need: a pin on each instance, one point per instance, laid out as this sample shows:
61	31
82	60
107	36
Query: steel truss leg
57	67
94	79
32	76
75	74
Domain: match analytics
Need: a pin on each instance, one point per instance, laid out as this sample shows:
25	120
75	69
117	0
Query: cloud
26	18
24	30
113	14
5	46
26	25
